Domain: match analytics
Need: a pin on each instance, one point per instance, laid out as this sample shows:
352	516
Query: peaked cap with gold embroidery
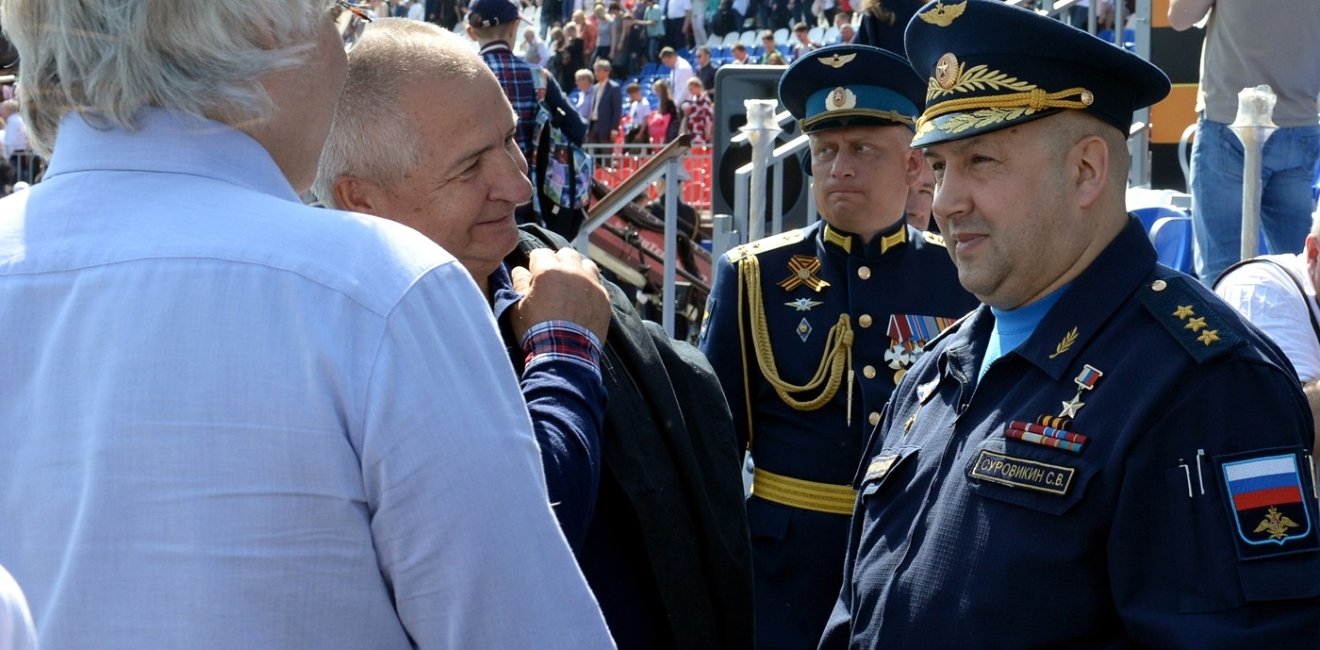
990	65
851	85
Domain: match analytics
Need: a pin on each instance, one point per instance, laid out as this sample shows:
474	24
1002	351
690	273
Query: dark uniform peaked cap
851	85
991	65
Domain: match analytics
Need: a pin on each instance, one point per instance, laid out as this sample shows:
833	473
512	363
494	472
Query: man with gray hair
606	107
645	483
461	190
231	420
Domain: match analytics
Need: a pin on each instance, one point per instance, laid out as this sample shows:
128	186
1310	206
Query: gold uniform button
864	272
868	372
864	320
874	418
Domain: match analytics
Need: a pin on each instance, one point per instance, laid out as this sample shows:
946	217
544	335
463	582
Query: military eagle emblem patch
1268	505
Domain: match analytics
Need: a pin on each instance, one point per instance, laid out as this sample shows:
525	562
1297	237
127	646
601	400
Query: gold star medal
1085	381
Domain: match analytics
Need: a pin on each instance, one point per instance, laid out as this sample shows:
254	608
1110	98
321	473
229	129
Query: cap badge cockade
946	71
840	99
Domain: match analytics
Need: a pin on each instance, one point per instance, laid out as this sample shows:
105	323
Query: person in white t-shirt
1277	293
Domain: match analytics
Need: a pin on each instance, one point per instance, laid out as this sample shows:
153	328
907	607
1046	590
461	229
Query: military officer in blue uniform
1104	455
809	331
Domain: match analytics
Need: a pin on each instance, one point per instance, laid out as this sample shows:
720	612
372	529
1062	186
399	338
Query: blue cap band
857	100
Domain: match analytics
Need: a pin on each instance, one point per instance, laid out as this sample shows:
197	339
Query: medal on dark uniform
803	304
804	329
802	270
1045	435
1085	381
907	336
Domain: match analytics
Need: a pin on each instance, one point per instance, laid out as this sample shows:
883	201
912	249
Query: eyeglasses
350	19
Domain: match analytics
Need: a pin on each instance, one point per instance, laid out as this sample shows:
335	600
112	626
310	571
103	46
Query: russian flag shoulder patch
1269	504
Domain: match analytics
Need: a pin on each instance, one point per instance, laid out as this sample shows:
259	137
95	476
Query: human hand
562	285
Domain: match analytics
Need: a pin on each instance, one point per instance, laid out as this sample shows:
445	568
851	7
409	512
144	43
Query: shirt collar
169	142
888	240
1100	290
495	46
1086	304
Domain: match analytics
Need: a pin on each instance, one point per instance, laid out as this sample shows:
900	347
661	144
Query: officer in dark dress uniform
809	331
1104	455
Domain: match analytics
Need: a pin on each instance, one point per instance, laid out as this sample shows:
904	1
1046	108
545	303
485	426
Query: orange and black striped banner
1178	54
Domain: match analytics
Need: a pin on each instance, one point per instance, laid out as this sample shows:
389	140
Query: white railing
740	228
664	163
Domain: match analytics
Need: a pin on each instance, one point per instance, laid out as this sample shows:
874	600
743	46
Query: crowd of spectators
675	85
670	49
633	36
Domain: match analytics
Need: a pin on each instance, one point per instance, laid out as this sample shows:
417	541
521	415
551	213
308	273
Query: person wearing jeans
1288	167
1247	46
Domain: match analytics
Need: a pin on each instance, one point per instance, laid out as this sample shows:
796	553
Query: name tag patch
880	466
1022	473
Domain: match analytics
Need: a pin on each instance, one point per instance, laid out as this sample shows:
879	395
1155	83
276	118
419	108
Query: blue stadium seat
1149	215
1172	238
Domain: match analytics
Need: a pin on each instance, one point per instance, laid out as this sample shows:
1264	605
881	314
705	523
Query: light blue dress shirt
231	421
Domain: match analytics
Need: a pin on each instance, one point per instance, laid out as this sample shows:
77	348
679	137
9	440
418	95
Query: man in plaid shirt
493	24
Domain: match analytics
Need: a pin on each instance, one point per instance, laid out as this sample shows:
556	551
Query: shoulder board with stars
1188	317
934	238
765	244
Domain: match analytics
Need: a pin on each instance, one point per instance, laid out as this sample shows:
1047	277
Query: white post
1253	126
761	129
667	293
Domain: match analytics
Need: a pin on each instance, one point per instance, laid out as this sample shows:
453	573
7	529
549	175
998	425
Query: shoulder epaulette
934	238
1187	316
767	243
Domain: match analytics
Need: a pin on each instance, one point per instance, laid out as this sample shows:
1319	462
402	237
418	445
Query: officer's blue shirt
1013	327
1170	505
897	290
